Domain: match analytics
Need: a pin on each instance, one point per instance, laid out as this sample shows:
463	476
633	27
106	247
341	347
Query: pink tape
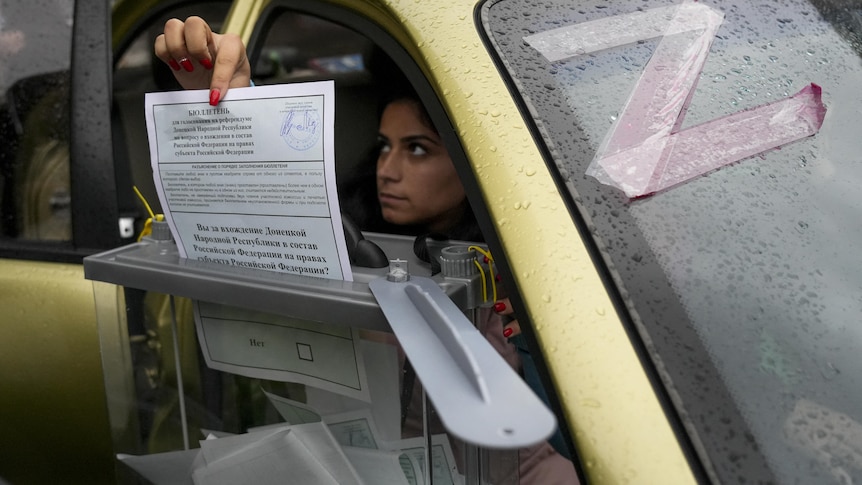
646	151
665	161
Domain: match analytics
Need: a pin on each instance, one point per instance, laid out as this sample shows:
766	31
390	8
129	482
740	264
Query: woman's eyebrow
414	138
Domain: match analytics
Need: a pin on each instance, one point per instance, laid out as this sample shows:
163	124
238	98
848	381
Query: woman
409	185
412	188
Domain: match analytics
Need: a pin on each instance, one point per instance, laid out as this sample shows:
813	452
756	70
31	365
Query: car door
65	187
290	43
59	203
616	422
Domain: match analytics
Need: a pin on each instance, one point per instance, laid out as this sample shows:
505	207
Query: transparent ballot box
221	374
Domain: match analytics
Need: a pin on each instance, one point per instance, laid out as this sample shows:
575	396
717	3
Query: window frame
94	216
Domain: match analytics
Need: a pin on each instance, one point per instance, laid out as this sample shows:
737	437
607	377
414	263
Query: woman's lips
386	198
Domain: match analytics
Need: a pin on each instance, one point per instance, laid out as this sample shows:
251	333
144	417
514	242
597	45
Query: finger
175	40
512	329
162	53
199	41
231	68
503	307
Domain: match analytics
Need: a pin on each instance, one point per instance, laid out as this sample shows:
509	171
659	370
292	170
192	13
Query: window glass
300	47
744	283
35	40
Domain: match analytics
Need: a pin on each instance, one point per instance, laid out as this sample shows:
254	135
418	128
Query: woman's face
416	180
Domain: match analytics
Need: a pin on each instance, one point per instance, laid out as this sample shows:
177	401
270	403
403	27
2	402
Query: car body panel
54	421
616	420
53	408
51	384
598	375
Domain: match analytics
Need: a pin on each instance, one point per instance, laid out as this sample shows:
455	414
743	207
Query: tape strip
659	164
605	33
645	150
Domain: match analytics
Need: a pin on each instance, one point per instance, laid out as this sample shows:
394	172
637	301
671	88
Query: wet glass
743	283
35	52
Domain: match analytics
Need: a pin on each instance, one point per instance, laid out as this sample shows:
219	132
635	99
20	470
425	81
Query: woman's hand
504	307
202	59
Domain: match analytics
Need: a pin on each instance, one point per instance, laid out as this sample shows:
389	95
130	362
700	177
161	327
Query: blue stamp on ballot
301	128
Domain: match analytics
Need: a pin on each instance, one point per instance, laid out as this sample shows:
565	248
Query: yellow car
670	191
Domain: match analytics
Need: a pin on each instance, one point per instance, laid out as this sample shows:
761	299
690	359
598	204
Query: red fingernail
174	65
485	259
208	64
214	97
507	332
499	306
498	277
187	65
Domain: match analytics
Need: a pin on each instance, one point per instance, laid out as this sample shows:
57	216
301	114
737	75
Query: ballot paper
251	182
298	454
314	453
384	467
169	468
443	467
383	370
268	346
354	428
293	412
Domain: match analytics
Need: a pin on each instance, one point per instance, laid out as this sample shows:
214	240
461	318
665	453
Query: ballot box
225	374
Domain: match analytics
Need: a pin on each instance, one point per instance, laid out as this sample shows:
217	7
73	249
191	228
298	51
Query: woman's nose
389	166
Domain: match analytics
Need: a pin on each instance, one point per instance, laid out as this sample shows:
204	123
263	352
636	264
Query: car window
34	120
299	47
320	41
35	112
743	283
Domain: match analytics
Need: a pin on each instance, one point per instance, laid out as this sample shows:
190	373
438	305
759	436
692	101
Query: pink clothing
537	465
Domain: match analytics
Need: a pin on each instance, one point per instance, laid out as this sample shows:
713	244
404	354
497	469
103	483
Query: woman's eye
417	150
